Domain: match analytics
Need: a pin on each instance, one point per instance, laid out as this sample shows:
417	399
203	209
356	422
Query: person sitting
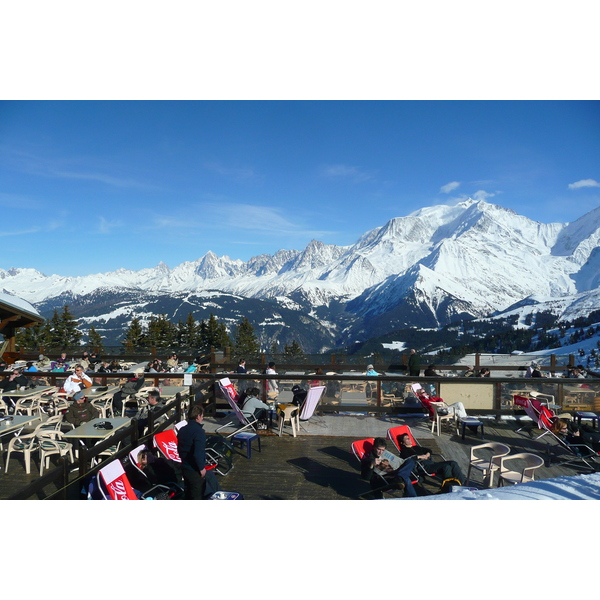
172	362
114	366
30	367
156	471
430	371
447	469
398	479
61	363
458	408
577	434
253	408
484	372
44	363
371	370
104	367
533	370
13	381
130	387
241	368
470	372
155	403
80	411
77	381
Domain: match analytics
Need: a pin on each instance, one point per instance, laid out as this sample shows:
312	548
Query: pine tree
64	332
134	336
293	351
187	332
161	332
33	338
246	342
95	340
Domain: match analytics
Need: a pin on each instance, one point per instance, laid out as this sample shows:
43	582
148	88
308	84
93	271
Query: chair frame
247	423
487	467
527	473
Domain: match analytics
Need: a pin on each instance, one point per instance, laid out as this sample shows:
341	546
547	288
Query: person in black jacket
414	364
191	445
447	469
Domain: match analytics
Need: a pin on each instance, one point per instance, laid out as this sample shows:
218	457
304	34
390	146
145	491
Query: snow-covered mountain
426	269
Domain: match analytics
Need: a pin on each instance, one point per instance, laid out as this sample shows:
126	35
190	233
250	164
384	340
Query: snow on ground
579	487
401	346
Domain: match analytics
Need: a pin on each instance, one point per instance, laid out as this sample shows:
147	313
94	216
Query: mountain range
430	268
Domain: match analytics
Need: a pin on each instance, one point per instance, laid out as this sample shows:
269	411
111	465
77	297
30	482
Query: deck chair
360	449
544	419
231	396
139	479
166	442
394	434
313	397
540	414
113	482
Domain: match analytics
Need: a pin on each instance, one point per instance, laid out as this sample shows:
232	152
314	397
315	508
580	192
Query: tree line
62	332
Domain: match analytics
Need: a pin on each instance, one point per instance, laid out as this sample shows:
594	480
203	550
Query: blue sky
89	187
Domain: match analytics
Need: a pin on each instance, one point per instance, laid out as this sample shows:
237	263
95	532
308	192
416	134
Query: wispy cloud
355	174
105	226
17	200
483	195
449	187
245	220
584	183
68	168
21	232
237	173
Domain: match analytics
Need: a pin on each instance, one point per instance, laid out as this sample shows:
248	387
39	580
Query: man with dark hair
191	445
447	469
395	478
241	368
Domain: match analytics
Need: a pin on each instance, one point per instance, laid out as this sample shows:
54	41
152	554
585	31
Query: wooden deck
318	466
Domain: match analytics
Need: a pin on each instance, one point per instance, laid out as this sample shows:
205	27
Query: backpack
447	484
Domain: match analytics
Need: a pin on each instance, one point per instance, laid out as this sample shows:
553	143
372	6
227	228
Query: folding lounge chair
313	397
360	449
166	442
231	396
113	482
394	435
540	414
137	474
544	419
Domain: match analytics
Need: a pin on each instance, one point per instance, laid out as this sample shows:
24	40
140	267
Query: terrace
318	464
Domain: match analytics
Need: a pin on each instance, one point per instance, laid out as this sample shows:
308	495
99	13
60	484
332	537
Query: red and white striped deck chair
540	414
166	442
231	396
113	482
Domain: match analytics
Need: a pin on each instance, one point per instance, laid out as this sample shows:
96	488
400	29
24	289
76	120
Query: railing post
378	393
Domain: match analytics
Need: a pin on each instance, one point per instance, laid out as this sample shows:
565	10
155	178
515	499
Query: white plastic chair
488	464
288	414
439	418
527	465
51	442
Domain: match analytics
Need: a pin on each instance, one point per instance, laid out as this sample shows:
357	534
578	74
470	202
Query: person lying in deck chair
447	469
397	479
457	408
577	434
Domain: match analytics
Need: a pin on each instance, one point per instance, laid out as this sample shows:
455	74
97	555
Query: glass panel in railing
544	391
581	396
